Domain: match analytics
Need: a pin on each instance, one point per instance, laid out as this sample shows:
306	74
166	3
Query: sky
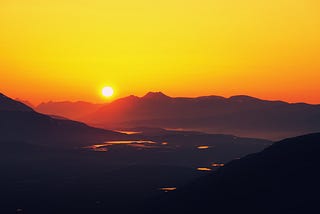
69	49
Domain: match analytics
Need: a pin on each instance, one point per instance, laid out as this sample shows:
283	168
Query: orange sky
70	49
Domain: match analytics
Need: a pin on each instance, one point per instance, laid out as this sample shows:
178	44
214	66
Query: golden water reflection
217	164
136	143
128	132
203	169
168	189
203	147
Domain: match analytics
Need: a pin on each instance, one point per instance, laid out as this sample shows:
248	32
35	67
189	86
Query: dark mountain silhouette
239	115
155	95
283	178
71	110
19	122
8	104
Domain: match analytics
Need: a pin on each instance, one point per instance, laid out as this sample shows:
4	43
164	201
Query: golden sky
70	49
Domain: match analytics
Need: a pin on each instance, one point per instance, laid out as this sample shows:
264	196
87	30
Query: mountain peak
243	98
155	95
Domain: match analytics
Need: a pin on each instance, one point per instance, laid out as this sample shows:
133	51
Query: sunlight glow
107	91
230	47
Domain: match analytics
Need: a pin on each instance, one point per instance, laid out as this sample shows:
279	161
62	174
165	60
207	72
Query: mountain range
20	123
239	115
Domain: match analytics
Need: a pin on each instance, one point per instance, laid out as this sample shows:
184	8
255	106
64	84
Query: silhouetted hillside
238	115
283	178
8	104
19	122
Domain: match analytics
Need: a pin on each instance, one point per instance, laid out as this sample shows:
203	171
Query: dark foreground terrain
283	178
109	178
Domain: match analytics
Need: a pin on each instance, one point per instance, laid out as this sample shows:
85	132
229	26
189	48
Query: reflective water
217	164
136	143
203	147
128	132
129	142
168	189
203	169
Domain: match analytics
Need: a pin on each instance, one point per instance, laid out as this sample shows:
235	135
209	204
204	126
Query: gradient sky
70	49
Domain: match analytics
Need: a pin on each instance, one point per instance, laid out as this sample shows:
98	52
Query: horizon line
162	94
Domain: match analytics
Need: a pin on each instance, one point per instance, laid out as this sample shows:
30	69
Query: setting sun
107	91
165	106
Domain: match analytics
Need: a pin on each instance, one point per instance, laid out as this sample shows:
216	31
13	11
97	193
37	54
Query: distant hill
19	122
238	115
26	102
283	178
71	110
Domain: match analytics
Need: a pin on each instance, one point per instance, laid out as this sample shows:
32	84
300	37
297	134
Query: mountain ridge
240	115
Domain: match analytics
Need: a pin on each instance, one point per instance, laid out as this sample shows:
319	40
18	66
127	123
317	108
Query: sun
107	91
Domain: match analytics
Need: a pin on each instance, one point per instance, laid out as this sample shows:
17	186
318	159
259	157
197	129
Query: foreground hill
238	115
19	122
283	178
